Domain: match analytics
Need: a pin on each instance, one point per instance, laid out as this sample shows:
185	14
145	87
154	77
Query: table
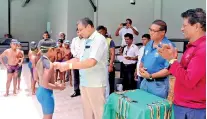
137	104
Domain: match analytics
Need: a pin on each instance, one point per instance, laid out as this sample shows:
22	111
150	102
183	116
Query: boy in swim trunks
21	59
67	56
33	58
12	65
60	57
45	71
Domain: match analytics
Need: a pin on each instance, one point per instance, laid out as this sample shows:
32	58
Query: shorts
12	68
46	99
30	64
59	61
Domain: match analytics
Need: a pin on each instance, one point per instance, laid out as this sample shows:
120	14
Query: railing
185	42
4	46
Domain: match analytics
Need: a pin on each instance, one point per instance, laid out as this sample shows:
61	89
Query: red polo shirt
190	73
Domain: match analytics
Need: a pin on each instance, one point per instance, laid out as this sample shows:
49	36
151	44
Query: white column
157	9
96	14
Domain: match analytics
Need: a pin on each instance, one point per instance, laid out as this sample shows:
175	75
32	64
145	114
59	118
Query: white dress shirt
95	47
76	47
140	54
125	30
132	51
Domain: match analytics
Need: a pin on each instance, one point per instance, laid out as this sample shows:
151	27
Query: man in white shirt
46	37
93	71
138	78
130	55
76	50
126	28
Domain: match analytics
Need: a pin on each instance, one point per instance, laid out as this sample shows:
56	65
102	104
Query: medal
151	111
158	110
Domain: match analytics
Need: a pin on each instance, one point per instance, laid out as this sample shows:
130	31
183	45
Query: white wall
28	23
64	14
77	9
3	17
113	12
58	17
172	16
171	11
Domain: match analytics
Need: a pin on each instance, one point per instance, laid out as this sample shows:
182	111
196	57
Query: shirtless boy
12	65
67	56
45	71
20	56
60	57
33	58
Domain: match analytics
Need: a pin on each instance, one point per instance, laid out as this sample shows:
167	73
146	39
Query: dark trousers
128	81
189	113
67	75
122	70
112	80
76	80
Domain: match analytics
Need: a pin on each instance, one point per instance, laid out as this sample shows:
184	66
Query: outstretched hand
64	66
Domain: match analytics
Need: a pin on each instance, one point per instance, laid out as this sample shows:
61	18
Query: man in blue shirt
153	67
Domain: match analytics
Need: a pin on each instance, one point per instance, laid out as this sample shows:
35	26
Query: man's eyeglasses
152	30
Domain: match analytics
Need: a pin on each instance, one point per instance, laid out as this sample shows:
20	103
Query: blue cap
33	45
67	42
48	44
14	41
19	43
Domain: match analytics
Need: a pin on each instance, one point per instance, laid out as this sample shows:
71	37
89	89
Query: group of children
63	54
41	67
13	58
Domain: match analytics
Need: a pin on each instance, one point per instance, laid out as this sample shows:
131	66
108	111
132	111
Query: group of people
91	56
157	59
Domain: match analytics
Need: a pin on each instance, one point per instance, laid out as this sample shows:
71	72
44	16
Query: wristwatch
172	61
150	77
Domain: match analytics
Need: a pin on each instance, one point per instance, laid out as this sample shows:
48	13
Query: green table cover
120	106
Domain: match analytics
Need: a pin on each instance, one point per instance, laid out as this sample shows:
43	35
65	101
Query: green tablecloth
120	106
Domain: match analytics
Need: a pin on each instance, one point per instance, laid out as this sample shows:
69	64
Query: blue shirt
112	44
151	58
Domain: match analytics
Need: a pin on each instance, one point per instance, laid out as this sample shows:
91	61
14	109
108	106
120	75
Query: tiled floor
25	106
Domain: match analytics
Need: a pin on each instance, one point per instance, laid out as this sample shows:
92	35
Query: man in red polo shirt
190	73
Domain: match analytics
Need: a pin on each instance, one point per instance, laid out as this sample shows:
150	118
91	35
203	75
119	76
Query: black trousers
128	81
122	70
112	80
76	80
